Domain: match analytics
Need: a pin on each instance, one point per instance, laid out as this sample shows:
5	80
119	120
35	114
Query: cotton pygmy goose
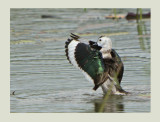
98	62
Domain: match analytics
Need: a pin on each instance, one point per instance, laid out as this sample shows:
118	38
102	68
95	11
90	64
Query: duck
98	62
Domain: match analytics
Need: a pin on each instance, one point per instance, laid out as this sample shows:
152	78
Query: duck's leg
108	86
112	87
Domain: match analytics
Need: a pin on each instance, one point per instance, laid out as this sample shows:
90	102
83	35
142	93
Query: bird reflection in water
114	104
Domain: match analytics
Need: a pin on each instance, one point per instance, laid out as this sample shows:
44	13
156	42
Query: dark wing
91	62
88	60
119	67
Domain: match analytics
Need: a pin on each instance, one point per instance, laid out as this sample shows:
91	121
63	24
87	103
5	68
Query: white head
105	42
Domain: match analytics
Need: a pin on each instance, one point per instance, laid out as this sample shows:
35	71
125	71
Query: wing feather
87	59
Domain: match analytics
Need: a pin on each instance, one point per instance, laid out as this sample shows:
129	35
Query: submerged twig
13	93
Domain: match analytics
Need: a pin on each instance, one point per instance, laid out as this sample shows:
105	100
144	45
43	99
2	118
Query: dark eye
100	40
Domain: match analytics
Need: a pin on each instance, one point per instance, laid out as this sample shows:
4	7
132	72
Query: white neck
106	49
105	53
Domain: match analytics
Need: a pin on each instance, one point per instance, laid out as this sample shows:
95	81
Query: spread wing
87	59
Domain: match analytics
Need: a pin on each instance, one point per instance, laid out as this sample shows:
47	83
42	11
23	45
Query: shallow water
44	81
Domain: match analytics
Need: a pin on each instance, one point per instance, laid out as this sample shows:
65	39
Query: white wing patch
71	53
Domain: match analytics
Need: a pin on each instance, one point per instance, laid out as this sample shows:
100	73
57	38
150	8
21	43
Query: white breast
105	53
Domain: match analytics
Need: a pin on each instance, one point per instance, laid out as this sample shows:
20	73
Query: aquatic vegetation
141	29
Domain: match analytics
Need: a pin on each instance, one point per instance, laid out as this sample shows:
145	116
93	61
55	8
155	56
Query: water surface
43	79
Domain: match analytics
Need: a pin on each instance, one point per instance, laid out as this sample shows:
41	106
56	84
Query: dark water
44	81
